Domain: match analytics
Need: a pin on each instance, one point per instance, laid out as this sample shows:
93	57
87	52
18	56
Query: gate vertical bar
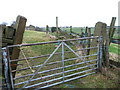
6	68
10	69
63	59
100	53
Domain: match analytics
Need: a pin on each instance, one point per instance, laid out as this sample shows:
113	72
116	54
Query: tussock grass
114	48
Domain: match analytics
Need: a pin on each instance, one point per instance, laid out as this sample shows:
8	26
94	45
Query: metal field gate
46	64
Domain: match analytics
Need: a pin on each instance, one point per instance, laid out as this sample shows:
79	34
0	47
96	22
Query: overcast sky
70	12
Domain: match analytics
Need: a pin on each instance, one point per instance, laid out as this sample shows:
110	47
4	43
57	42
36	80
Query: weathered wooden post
20	28
100	30
57	24
112	34
9	34
111	30
47	29
82	33
84	41
1	35
0	55
86	31
89	35
108	40
70	29
106	50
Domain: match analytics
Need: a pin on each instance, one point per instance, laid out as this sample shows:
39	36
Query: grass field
114	52
114	48
93	81
78	30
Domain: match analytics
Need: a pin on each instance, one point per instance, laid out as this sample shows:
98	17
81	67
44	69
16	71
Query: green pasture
114	48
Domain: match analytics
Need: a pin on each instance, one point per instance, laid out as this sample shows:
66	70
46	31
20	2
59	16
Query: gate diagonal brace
41	66
75	53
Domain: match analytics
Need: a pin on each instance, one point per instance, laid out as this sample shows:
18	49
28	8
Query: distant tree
53	29
4	23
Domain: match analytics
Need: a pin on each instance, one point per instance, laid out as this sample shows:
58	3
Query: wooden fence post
20	27
111	30
0	36
1	53
100	30
106	50
81	32
47	29
57	24
89	35
108	40
112	33
70	29
86	31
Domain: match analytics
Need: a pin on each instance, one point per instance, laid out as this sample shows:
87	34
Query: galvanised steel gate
45	64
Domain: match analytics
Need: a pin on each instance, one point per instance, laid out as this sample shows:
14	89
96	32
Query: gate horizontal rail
62	77
50	54
65	81
41	43
54	69
57	74
65	64
53	63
